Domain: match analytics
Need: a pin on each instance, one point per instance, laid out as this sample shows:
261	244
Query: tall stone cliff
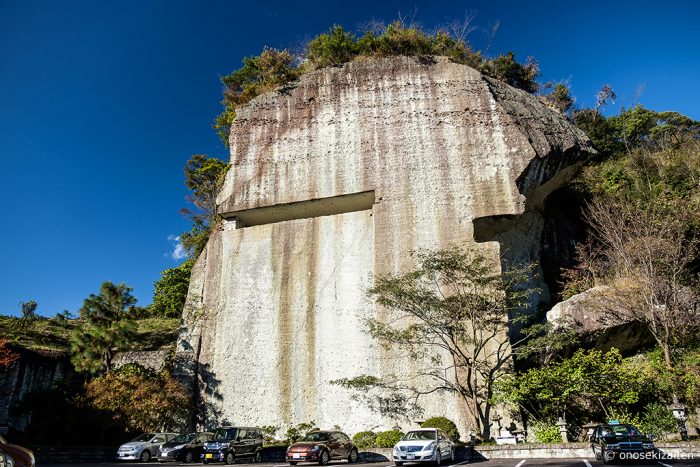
335	179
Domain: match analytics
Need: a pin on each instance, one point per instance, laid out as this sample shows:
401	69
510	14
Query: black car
186	447
620	441
230	443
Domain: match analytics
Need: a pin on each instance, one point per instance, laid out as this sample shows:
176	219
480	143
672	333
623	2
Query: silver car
144	447
424	445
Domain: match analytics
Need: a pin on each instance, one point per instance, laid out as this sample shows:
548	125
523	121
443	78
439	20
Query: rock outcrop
602	324
335	179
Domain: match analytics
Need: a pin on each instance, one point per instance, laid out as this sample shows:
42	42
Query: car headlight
314	448
648	445
430	447
396	448
179	446
613	446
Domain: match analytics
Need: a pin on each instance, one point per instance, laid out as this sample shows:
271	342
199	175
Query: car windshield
620	430
224	433
419	436
316	436
143	438
185	438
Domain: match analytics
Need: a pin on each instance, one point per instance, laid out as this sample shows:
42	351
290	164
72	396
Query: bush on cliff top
273	68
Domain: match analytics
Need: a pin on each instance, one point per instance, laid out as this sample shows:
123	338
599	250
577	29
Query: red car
321	447
15	456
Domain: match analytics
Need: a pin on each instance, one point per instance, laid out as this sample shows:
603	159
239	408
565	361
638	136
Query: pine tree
107	327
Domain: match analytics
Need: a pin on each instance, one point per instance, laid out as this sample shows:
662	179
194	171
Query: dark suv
230	443
619	441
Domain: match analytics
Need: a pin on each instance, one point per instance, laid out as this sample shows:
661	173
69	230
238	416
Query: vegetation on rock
274	68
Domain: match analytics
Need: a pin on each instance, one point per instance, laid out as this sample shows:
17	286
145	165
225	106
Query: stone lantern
680	413
563	430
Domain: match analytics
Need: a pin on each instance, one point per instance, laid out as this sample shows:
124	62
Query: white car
424	445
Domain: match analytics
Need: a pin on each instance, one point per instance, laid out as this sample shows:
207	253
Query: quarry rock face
335	179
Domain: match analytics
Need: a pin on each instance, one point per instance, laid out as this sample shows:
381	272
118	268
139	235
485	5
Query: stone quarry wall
35	370
277	299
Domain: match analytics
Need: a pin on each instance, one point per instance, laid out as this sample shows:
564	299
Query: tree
605	94
170	291
29	309
106	327
141	399
204	176
452	315
589	385
646	257
559	97
507	69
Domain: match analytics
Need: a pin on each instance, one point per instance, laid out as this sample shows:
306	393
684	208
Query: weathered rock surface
400	154
593	315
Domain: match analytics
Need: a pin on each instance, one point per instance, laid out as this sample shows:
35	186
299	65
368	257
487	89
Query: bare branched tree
462	29
452	315
605	94
647	254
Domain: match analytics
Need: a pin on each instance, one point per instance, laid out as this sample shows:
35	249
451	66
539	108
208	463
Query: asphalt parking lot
485	463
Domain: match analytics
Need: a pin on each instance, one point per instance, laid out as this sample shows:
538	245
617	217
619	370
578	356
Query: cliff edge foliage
274	68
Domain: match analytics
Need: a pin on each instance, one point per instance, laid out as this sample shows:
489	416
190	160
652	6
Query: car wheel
205	461
598	456
352	458
188	457
325	457
230	458
608	457
145	456
258	457
438	458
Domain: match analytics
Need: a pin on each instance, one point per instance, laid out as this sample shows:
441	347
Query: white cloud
179	252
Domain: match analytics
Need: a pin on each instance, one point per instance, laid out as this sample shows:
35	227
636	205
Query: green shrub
444	424
546	432
273	68
658	420
387	439
365	439
332	48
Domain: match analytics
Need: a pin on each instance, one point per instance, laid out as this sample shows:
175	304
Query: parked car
424	445
230	443
186	447
620	441
321	447
144	447
12	455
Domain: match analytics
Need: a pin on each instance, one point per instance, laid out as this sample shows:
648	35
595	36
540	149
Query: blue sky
102	103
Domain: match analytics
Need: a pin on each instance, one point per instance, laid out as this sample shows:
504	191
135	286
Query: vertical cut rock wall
274	312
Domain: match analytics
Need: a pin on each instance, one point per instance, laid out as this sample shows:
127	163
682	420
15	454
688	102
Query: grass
48	334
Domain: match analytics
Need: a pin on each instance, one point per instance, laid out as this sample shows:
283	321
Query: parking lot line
520	463
588	464
665	465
